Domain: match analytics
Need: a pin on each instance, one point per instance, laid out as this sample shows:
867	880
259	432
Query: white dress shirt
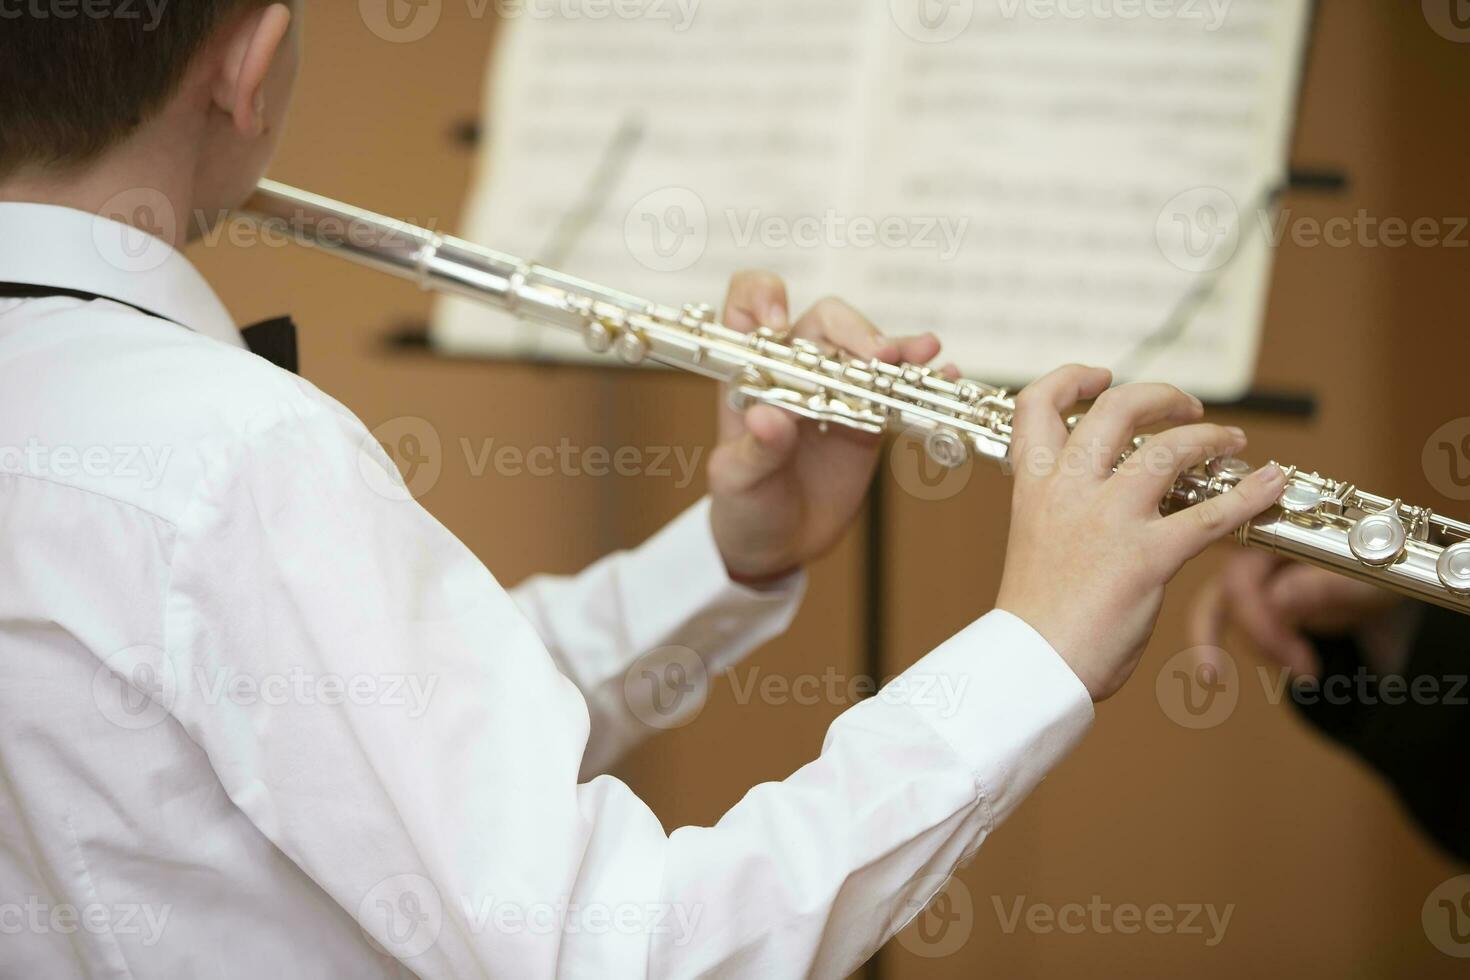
262	716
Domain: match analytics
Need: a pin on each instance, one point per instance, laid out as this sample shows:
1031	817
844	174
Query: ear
250	50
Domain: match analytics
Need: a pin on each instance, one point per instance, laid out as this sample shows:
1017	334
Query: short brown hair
76	78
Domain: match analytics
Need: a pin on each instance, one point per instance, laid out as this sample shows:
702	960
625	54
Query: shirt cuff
1006	703
692	602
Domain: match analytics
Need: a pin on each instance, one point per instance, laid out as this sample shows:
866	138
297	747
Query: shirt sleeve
420	758
644	609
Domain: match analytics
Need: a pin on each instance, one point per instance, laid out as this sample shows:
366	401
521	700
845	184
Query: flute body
1325	522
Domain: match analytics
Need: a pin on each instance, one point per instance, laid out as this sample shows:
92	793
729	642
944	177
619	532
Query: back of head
73	86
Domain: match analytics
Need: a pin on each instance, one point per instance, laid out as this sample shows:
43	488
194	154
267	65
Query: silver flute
1325	522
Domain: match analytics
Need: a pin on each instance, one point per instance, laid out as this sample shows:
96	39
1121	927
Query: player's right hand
1089	554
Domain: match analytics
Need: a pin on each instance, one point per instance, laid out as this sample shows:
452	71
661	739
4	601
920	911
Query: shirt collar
45	245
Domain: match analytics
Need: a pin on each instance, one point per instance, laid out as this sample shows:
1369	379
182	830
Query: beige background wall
1325	876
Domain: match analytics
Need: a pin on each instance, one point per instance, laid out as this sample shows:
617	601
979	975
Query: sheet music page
662	152
1037	181
1115	172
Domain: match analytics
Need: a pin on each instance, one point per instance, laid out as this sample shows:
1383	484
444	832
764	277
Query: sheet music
1038	181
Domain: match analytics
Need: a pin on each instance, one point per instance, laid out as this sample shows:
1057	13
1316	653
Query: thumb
764	448
1207	614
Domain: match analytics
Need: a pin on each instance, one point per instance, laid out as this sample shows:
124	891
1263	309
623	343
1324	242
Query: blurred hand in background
1279	604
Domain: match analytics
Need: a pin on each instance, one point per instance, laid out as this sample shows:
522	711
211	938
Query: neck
137	183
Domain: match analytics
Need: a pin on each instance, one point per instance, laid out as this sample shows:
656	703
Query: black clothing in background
1414	728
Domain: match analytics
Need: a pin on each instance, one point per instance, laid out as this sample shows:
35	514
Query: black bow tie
275	340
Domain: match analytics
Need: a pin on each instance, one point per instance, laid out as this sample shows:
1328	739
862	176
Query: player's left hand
784	492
